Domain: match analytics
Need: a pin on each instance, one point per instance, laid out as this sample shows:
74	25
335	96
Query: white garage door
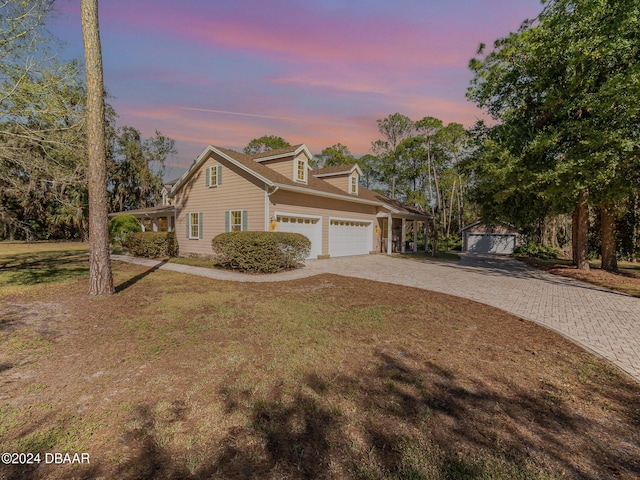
350	237
490	243
310	227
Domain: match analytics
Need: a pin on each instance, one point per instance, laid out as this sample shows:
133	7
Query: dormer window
300	171
353	184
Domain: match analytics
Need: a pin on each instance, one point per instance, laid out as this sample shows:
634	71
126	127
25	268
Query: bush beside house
121	227
260	252
153	244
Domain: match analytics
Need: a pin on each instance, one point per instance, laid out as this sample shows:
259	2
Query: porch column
415	236
142	224
403	236
426	237
389	235
168	223
154	223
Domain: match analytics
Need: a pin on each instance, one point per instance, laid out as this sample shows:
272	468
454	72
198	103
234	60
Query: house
479	237
160	218
226	191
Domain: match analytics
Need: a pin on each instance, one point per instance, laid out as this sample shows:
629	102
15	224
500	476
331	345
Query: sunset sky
317	72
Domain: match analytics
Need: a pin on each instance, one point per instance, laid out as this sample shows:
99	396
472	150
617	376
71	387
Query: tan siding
282	166
238	191
292	202
340	181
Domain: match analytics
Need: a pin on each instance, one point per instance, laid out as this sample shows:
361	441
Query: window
236	221
300	173
353	185
213	176
194	225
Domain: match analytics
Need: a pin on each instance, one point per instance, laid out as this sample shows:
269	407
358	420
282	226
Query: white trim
297	215
342	172
345	219
301	148
202	157
305	170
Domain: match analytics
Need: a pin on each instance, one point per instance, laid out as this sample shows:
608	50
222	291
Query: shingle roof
314	185
334	169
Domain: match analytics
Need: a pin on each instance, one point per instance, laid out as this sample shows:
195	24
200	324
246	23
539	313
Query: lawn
327	377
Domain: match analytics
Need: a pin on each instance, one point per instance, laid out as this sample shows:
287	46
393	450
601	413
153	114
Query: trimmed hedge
536	250
153	244
261	252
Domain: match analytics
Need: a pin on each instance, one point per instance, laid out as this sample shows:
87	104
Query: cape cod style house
277	191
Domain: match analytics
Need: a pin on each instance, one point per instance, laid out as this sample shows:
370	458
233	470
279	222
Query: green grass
179	376
23	265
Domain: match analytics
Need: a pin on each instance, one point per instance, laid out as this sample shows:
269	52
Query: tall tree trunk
100	276
580	231
634	228
608	237
453	190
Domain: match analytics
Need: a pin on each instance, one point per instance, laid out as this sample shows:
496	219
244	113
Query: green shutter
199	225
188	222
219	174
207	181
227	221
244	220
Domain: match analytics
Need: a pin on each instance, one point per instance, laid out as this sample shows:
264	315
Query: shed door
491	243
350	237
310	227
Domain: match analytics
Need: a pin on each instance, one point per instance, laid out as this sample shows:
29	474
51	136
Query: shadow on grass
401	419
42	267
133	280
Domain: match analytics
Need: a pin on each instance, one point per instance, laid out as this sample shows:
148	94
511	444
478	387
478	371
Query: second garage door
310	227
491	243
350	237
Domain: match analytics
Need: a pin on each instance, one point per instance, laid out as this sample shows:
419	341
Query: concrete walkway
605	322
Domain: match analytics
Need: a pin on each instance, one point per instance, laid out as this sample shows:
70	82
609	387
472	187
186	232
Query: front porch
402	233
154	219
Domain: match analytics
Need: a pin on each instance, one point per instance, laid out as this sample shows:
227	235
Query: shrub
263	252
536	250
153	244
121	227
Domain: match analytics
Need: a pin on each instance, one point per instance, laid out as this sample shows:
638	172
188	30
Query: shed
480	237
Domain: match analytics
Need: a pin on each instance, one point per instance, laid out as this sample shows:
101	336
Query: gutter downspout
267	194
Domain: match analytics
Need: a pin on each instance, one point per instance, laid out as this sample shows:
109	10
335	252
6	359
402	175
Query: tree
135	169
394	129
264	144
41	128
100	276
556	88
335	155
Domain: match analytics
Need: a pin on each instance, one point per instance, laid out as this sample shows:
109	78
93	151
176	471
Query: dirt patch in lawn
324	377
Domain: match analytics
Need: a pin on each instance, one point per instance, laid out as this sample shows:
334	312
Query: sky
318	72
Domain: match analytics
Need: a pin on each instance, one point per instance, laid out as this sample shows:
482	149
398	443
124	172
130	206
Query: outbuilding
480	237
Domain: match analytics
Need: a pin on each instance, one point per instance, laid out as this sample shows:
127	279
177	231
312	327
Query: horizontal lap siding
292	202
238	191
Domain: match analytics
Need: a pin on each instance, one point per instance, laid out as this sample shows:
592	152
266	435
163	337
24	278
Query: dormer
292	162
345	177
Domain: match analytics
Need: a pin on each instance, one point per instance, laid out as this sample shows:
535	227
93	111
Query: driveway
605	322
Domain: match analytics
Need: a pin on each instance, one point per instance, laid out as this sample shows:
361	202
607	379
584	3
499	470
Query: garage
350	237
309	226
481	238
487	243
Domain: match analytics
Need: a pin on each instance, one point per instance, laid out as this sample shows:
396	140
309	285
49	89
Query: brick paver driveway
604	322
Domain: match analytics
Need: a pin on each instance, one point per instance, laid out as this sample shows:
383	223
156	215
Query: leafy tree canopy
264	144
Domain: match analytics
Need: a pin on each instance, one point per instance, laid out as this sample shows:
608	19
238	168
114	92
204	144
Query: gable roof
336	170
273	179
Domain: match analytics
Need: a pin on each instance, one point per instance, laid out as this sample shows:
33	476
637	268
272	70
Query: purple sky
311	71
